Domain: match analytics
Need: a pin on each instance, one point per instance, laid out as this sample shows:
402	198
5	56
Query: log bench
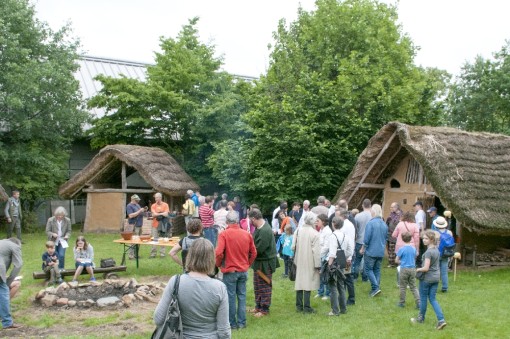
108	272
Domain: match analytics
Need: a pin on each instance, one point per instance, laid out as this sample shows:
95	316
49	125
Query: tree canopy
336	75
185	105
479	99
39	101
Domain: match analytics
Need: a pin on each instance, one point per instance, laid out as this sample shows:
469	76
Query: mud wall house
117	172
466	173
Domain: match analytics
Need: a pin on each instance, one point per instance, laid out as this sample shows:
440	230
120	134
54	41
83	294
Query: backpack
446	245
172	327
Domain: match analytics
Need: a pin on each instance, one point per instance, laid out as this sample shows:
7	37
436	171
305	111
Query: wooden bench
108	272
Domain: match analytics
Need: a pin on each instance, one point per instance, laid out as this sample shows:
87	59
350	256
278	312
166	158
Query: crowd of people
330	246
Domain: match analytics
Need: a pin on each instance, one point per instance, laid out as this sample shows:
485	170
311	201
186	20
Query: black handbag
341	259
108	262
172	327
420	275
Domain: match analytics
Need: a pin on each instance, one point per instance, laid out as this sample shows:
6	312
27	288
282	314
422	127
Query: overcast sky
449	32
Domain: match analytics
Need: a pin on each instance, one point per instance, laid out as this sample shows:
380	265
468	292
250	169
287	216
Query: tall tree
336	75
479	99
185	105
39	101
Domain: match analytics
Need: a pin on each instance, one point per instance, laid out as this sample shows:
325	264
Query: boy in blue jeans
406	258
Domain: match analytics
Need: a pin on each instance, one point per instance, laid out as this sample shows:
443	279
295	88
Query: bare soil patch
111	322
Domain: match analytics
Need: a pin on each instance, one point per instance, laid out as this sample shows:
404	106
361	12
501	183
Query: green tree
336	75
479	99
185	105
39	101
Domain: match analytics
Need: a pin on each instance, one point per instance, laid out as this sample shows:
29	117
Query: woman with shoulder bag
430	281
203	301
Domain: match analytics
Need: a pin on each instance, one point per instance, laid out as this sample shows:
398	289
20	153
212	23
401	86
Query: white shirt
220	218
324	235
349	230
344	241
302	220
275	225
332	210
420	218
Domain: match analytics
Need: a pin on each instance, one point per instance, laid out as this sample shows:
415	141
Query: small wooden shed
119	171
464	172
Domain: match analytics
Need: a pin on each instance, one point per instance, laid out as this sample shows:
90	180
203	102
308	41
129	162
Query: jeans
61	254
349	285
5	308
287	262
356	266
373	271
236	286
429	290
443	269
338	296
211	234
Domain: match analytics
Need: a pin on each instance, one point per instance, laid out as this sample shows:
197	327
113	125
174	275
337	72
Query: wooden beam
367	185
123	176
385	147
117	190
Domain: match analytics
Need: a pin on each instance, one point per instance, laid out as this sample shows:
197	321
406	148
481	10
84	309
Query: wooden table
135	244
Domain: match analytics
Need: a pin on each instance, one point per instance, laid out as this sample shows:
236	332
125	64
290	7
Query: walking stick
455	257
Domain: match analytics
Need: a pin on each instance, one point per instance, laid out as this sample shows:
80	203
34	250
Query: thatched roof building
3	194
153	164
469	172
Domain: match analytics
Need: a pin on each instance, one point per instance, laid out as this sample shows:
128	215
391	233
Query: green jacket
266	260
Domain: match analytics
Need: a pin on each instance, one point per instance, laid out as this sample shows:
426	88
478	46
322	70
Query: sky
449	33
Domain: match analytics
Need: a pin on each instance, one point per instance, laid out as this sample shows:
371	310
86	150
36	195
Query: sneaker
349	302
418	319
331	314
325	298
13	326
444	291
92	279
373	294
401	305
440	325
162	255
318	296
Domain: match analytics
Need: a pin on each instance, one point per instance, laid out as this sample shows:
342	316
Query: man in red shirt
234	255
206	214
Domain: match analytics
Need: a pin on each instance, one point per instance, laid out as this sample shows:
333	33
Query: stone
128	299
150	298
139	296
133	283
81	303
40	295
62	301
71	303
107	301
51	290
74	284
49	300
89	303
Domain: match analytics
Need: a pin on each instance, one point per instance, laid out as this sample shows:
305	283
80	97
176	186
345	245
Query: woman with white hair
58	230
307	257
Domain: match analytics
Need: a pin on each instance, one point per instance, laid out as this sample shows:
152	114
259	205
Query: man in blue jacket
376	234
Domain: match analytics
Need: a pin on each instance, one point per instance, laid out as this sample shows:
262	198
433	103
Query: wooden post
123	176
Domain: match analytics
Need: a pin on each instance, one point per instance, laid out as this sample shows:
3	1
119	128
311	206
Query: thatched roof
154	165
470	172
3	194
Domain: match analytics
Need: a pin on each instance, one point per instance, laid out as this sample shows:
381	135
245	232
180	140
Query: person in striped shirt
206	214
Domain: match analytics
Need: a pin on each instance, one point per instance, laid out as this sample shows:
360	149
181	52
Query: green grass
475	306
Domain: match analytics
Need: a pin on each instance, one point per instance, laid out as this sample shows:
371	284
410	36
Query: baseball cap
432	209
418	203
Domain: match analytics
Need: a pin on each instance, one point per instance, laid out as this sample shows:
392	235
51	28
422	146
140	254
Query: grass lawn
474	307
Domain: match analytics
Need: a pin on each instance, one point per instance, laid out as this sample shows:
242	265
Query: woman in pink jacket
407	224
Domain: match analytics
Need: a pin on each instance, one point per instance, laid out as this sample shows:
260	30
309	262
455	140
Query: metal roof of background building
90	67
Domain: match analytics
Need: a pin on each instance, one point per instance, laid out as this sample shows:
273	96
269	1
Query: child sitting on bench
84	257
